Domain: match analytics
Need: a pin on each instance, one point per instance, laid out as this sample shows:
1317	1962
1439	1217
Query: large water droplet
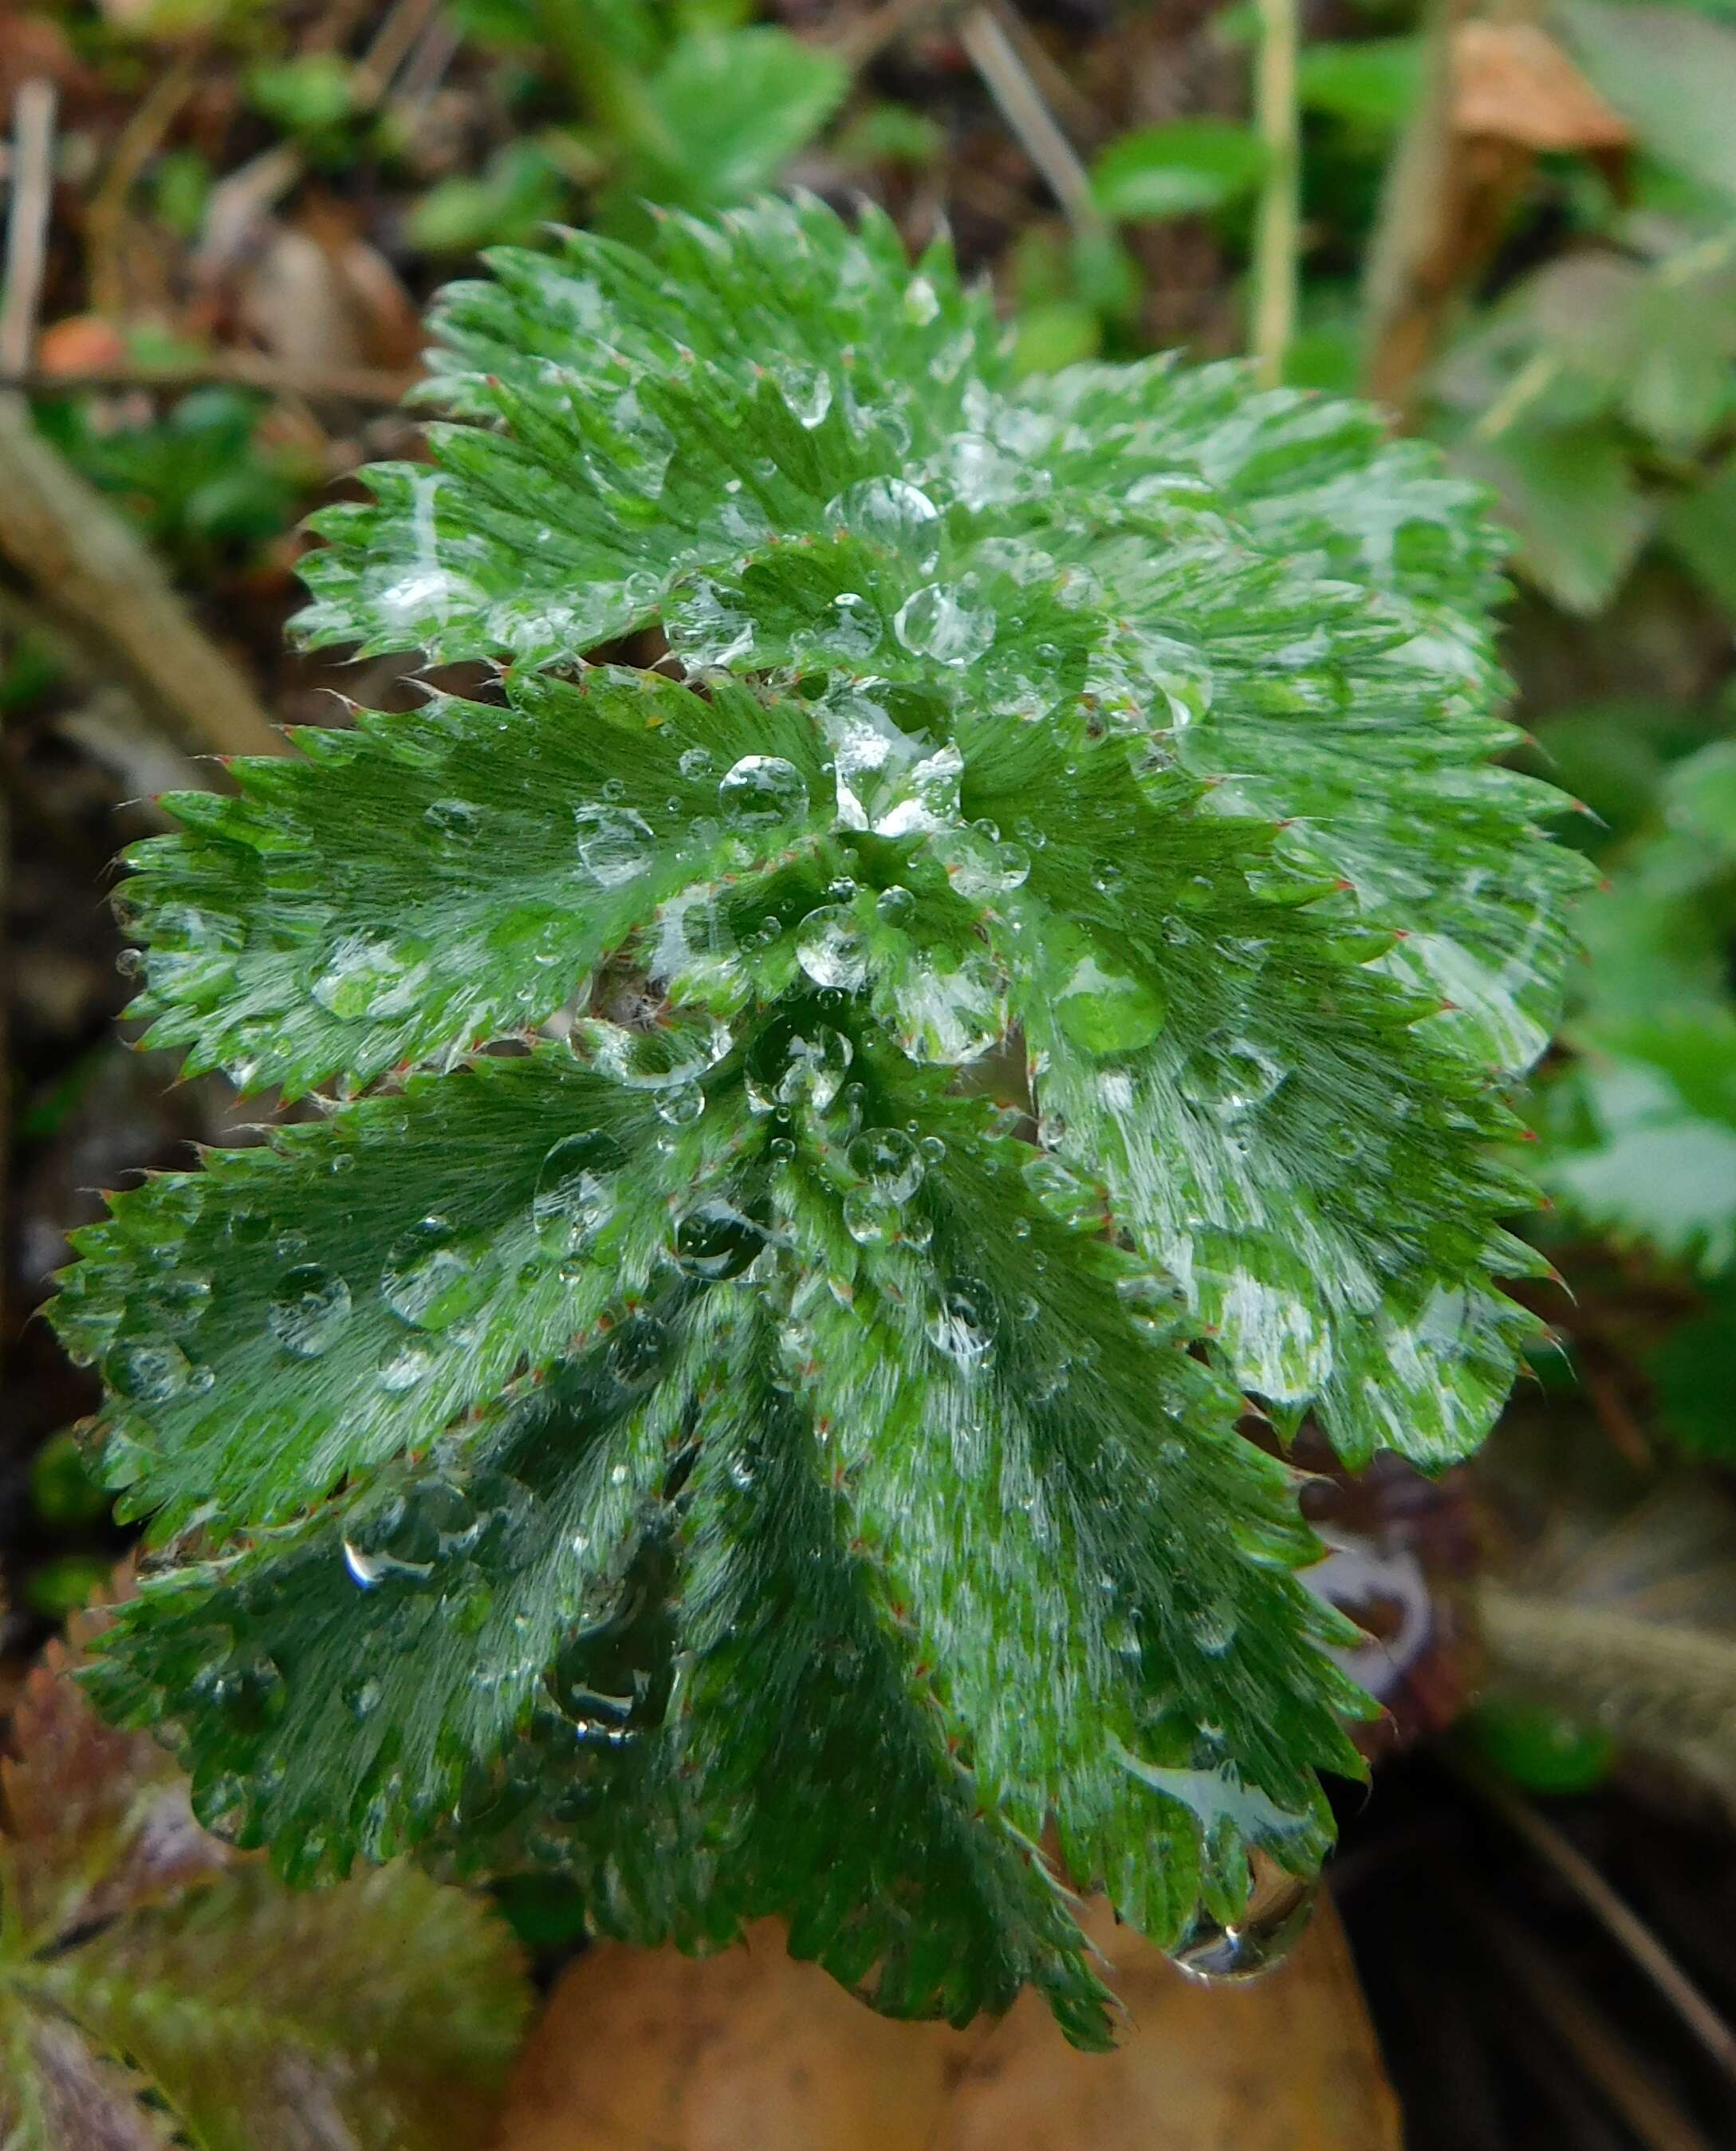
946	622
714	1240
893	512
890	1162
1279	1906
150	1374
576	1191
1230	1076
431	1279
615	843
791	1067
829	948
310	1308
1105	1011
761	790
962	1321
363	978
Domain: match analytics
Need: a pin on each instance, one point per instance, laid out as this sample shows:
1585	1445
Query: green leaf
1694	1374
1370	81
152	1984
674	1415
1669	71
1572	496
1183	168
739	104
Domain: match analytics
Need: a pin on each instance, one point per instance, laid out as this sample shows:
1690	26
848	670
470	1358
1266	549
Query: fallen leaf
646	2050
1512	82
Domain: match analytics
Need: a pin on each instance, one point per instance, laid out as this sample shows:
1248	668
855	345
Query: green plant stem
1277	230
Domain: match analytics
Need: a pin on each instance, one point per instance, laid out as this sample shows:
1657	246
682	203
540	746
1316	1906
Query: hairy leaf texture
157	1987
745	1407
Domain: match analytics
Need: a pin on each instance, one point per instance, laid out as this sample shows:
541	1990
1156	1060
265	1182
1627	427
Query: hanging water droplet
615	843
829	948
576	1191
714	1240
431	1278
761	790
945	622
891	513
1279	1906
310	1308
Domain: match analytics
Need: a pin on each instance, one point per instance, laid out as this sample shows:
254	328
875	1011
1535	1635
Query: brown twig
1646	2109
1026	112
374	386
140	139
27	224
1619	1921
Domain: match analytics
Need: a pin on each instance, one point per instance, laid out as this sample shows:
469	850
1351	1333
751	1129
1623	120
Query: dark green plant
738	1398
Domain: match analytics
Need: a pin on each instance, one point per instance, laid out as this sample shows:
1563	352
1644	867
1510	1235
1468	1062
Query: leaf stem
1278	231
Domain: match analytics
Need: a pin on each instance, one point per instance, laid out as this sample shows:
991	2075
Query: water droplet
151	1375
680	1107
891	513
806	1067
1230	1076
852	631
829	948
694	764
403	1368
431	1278
943	622
310	1310
363	978
889	1161
962	1321
1108	1011
807	391
760	790
894	904
714	1240
615	843
1279	1906
458	821
576	1191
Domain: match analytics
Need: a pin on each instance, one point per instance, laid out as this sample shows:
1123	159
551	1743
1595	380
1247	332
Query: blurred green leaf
63	1490
1057	333
1693	1375
1700	526
311	94
1541	1748
1183	168
1369	82
517	191
888	132
1570	496
1671	73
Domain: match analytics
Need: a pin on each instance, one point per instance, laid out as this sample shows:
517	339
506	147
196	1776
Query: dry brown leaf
646	2050
1512	82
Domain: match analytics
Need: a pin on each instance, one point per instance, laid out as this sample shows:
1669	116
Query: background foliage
1573	349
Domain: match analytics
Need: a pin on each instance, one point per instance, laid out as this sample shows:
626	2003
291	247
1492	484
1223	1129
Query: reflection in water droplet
1104	1011
574	1195
713	1240
761	790
829	948
1230	1076
310	1310
430	1279
1279	1906
962	1322
149	1373
615	843
891	513
944	621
